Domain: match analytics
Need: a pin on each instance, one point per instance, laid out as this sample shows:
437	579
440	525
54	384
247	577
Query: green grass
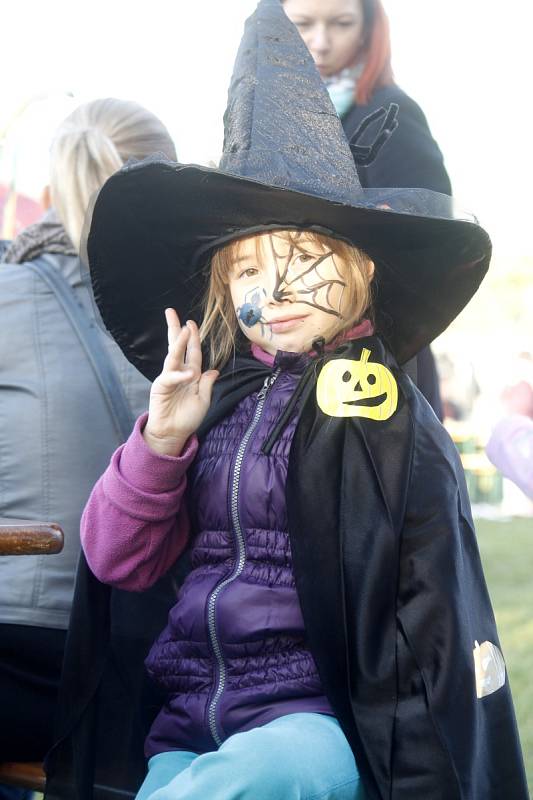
507	554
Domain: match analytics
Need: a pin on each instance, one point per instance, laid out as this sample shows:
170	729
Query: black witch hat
286	164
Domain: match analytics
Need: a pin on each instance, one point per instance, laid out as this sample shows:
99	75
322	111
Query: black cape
411	157
392	592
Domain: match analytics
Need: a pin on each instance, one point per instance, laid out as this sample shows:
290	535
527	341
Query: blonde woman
57	430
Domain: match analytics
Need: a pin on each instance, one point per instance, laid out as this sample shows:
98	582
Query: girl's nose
283	293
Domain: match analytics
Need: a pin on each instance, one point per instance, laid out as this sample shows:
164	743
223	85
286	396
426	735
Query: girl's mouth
286	324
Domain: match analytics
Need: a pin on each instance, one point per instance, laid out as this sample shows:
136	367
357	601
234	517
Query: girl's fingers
173	325
176	351
205	387
193	355
183	363
176	377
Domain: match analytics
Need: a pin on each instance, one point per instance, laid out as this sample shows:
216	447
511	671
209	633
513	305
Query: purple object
510	448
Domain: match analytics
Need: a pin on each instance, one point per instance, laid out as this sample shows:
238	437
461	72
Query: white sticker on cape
490	668
349	388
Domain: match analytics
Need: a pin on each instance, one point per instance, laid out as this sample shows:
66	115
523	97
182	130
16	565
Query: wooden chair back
19	538
24	538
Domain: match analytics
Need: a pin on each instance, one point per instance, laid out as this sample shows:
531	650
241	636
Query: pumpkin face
349	388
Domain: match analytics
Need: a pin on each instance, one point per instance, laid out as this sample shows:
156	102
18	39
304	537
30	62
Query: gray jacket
56	434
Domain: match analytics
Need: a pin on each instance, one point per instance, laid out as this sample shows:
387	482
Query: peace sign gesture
181	395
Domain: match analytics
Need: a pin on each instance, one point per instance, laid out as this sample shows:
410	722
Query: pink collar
365	328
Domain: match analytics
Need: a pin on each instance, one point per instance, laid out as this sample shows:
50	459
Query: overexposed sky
464	61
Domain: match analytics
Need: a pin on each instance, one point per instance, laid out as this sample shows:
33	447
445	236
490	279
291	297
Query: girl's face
333	31
287	295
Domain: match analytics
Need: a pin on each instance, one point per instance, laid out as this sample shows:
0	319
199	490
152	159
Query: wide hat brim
155	223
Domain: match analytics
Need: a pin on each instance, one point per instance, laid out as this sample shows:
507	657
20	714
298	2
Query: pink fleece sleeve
135	523
510	448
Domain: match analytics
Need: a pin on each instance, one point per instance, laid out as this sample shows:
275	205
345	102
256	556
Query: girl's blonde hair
220	327
90	145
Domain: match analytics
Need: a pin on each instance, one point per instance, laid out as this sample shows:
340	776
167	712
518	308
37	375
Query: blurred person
517	395
350	44
510	446
518	399
459	385
58	429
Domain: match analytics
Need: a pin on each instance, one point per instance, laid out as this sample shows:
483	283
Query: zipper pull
269	380
264	389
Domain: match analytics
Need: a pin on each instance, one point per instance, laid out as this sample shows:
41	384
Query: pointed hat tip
266	3
281	127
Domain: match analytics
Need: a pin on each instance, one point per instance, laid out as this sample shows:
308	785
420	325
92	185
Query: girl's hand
180	397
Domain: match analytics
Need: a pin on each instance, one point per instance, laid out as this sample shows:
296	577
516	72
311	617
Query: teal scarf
342	86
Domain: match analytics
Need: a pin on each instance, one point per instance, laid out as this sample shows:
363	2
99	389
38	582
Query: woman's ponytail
92	144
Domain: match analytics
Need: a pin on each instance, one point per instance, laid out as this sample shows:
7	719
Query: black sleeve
411	157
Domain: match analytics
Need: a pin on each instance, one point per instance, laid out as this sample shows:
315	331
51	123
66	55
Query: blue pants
296	757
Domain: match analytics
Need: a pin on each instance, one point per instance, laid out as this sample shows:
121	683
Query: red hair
377	71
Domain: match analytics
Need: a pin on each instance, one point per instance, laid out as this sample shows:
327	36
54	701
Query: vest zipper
240	559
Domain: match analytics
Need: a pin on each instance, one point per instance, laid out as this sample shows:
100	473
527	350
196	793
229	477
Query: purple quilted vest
234	653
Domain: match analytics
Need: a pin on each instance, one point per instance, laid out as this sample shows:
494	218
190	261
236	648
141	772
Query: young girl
333	637
235	655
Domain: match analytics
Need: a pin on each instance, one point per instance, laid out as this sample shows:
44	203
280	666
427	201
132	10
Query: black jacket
392	592
411	157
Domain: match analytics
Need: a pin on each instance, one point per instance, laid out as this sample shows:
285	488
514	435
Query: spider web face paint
287	293
310	279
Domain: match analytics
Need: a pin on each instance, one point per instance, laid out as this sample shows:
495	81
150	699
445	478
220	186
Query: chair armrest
26	537
27	775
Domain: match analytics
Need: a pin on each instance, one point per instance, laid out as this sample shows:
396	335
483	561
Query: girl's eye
249	273
303	258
